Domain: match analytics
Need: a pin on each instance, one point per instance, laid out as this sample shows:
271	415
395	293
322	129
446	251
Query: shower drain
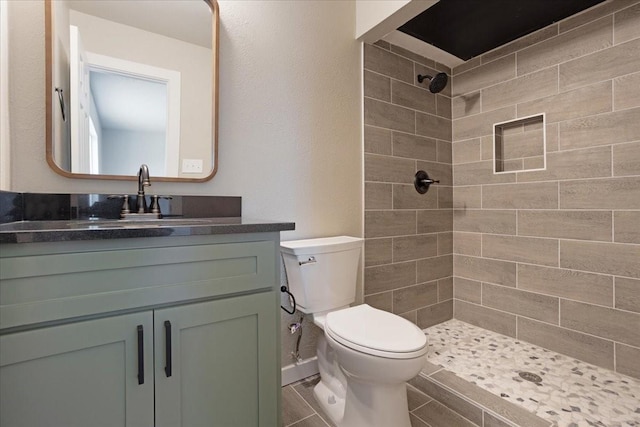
530	376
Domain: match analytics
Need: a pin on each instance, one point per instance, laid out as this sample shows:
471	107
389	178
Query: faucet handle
155	205
125	203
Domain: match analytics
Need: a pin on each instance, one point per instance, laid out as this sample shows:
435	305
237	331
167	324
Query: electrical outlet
191	165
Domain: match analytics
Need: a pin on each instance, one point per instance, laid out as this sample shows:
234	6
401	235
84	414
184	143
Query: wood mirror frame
51	96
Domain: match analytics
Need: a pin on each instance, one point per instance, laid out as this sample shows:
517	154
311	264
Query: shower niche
520	145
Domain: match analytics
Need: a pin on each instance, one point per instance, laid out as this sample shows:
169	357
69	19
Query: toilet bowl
366	355
378	352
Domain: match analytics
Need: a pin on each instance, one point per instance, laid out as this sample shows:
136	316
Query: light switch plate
191	165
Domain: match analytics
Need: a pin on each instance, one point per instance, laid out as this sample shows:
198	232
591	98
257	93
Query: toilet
366	355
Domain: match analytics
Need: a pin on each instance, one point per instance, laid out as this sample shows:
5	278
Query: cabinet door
224	367
80	374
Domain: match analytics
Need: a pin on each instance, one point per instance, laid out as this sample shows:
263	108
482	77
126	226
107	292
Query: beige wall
553	257
5	149
408	246
289	123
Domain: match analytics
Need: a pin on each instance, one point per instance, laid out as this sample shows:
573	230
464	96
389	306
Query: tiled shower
408	236
551	257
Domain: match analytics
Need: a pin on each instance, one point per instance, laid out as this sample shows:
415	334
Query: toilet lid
376	332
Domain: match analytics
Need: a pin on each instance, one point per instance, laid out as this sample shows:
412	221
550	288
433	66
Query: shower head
436	83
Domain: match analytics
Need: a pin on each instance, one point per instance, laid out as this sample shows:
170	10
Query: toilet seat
376	332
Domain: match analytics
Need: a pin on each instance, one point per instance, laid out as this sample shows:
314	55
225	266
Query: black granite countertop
69	230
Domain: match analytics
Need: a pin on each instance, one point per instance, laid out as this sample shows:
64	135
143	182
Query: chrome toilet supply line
296	326
293	328
422	181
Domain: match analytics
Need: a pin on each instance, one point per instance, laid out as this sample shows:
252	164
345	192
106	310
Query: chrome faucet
143	181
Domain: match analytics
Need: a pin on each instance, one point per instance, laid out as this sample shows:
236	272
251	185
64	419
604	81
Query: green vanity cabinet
197	315
221	351
78	375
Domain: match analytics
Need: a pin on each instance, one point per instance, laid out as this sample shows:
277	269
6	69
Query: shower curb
480	407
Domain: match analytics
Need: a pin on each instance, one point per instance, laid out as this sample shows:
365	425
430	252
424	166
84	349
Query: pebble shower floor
571	393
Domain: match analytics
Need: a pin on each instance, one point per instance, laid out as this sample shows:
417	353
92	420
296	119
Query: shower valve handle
422	181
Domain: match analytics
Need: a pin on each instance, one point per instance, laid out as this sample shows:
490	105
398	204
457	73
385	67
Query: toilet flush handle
311	260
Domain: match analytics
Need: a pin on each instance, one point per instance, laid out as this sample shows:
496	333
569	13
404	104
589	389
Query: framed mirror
132	82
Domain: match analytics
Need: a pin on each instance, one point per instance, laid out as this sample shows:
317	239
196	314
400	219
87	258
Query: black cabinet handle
140	355
167	348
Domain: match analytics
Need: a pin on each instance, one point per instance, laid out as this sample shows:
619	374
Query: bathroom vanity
161	324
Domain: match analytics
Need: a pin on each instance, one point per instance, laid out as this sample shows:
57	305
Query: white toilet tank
322	272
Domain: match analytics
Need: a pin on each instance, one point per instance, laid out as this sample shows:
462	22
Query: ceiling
186	20
468	28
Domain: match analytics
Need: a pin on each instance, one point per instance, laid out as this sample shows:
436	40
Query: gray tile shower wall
408	236
551	257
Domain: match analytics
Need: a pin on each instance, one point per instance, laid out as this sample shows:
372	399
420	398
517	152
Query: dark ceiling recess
468	28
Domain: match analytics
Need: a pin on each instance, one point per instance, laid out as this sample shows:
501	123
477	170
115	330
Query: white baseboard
297	371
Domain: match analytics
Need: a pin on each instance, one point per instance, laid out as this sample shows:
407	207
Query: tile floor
566	391
570	393
300	409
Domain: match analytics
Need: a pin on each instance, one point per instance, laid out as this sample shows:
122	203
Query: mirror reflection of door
132	115
80	105
125	114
